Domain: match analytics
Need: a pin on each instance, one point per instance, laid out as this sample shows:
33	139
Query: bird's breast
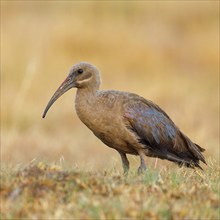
105	118
110	129
96	117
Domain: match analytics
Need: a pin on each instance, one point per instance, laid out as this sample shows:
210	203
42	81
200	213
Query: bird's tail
195	151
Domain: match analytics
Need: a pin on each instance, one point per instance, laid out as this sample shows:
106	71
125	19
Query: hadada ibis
127	122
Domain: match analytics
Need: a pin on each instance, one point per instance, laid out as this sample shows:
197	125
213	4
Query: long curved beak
65	86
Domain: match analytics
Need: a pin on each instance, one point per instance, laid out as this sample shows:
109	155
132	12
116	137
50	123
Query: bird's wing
151	124
157	131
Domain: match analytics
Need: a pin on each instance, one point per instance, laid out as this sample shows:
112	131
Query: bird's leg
142	166
125	162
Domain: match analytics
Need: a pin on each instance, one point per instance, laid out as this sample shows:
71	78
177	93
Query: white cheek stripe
85	80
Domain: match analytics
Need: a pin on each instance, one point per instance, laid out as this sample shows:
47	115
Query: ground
39	190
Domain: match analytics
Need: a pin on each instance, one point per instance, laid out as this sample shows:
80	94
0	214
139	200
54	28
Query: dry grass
49	191
166	51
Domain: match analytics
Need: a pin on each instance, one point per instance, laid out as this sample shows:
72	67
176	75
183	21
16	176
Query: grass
40	190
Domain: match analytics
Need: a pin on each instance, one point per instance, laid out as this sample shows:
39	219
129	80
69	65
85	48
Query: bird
127	122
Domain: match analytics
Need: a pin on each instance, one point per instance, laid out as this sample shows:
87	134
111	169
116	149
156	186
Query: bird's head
80	76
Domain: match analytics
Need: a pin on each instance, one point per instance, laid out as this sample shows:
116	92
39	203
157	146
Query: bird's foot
141	170
125	163
126	172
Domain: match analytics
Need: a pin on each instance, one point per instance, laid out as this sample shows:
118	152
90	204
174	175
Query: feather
154	128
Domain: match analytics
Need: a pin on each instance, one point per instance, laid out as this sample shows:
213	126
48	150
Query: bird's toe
141	170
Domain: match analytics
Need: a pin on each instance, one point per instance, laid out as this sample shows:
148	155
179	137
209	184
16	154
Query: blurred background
165	51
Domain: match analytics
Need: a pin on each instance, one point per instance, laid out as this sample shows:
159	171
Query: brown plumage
127	122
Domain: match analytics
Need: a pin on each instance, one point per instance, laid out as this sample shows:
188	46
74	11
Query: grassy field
52	191
165	51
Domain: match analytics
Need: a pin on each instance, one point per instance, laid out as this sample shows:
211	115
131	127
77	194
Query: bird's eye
80	71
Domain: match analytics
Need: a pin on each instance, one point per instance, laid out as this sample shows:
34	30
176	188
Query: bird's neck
85	104
86	95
